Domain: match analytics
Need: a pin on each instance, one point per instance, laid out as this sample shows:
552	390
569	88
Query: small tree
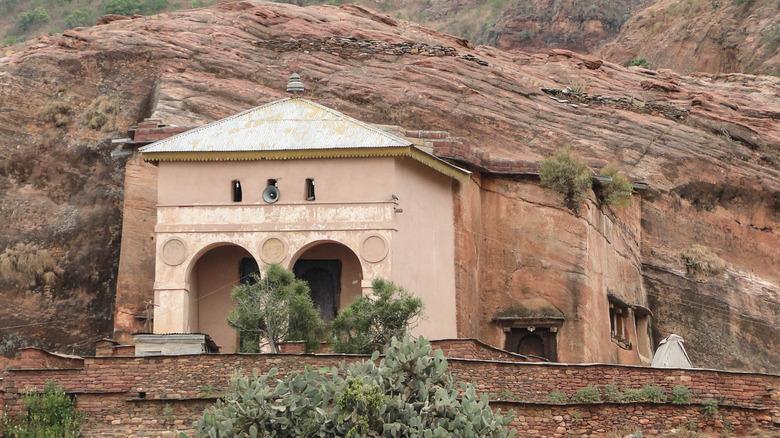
618	191
368	323
48	414
276	308
566	175
409	394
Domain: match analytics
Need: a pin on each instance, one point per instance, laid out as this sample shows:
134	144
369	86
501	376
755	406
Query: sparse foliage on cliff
616	192
275	308
30	263
702	261
567	175
102	112
408	394
368	323
47	414
57	112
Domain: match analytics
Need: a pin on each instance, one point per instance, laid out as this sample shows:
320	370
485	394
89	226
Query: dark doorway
539	342
246	269
324	278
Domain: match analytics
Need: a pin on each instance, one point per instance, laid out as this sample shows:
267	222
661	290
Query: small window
538	342
309	189
619	324
237	191
247	270
273	182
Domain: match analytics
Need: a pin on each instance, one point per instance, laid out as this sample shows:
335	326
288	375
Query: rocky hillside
707	145
709	36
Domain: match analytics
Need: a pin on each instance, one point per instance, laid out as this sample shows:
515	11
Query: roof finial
294	84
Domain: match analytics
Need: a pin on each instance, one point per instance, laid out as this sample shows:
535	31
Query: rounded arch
203	249
212	274
334	273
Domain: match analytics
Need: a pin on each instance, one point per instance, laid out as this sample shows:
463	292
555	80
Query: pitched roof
290	124
671	354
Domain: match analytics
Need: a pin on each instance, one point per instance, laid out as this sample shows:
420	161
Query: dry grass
702	261
57	112
102	112
30	262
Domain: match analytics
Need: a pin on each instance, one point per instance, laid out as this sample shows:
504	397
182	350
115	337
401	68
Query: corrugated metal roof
287	124
671	354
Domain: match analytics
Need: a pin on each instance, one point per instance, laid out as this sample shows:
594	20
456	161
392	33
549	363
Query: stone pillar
172	308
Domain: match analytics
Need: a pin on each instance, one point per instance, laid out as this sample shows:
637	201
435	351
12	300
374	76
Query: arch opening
212	277
334	275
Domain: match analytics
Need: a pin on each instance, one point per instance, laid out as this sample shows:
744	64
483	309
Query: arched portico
334	274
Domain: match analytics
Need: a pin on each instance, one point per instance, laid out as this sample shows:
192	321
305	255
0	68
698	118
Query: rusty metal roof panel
287	124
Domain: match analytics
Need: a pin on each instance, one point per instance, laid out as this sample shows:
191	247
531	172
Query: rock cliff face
692	35
707	145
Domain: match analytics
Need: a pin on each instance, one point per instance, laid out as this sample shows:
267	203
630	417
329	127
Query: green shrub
652	393
616	192
122	7
639	62
409	393
9	41
276	308
589	394
79	18
566	175
47	414
368	323
611	393
681	395
32	19
557	397
709	407
632	395
702	261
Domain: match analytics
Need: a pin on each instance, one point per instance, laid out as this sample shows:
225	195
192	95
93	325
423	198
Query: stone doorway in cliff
214	275
533	341
334	274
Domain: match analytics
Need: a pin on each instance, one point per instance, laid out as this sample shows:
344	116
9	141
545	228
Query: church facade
341	202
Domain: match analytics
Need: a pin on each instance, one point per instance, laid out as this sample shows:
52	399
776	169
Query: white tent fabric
671	354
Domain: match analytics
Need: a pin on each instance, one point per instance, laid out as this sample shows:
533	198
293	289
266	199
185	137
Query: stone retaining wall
151	396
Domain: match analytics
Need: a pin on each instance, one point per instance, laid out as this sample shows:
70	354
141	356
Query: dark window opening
249	272
309	189
533	341
273	182
237	191
619	324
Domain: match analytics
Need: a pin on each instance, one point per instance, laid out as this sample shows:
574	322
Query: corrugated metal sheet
287	124
671	354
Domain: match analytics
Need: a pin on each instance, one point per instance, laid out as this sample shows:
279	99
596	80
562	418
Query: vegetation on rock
47	414
275	308
409	393
616	192
566	175
368	323
702	261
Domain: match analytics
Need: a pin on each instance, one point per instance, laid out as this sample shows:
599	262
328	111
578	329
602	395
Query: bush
32	19
709	407
79	18
557	397
566	175
639	62
632	395
652	393
409	393
589	394
612	394
123	7
49	414
102	112
701	260
276	308
368	324
616	192
681	395
57	112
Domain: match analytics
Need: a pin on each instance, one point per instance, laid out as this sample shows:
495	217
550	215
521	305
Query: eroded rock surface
707	145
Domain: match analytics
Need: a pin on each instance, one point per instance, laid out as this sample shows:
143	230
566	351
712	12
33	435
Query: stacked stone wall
152	396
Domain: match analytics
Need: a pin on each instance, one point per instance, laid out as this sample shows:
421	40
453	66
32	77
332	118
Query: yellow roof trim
396	151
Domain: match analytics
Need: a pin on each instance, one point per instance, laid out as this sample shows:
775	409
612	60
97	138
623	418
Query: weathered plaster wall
532	248
135	278
423	246
126	395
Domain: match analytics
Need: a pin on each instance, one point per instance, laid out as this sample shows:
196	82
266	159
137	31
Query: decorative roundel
273	250
174	251
374	248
